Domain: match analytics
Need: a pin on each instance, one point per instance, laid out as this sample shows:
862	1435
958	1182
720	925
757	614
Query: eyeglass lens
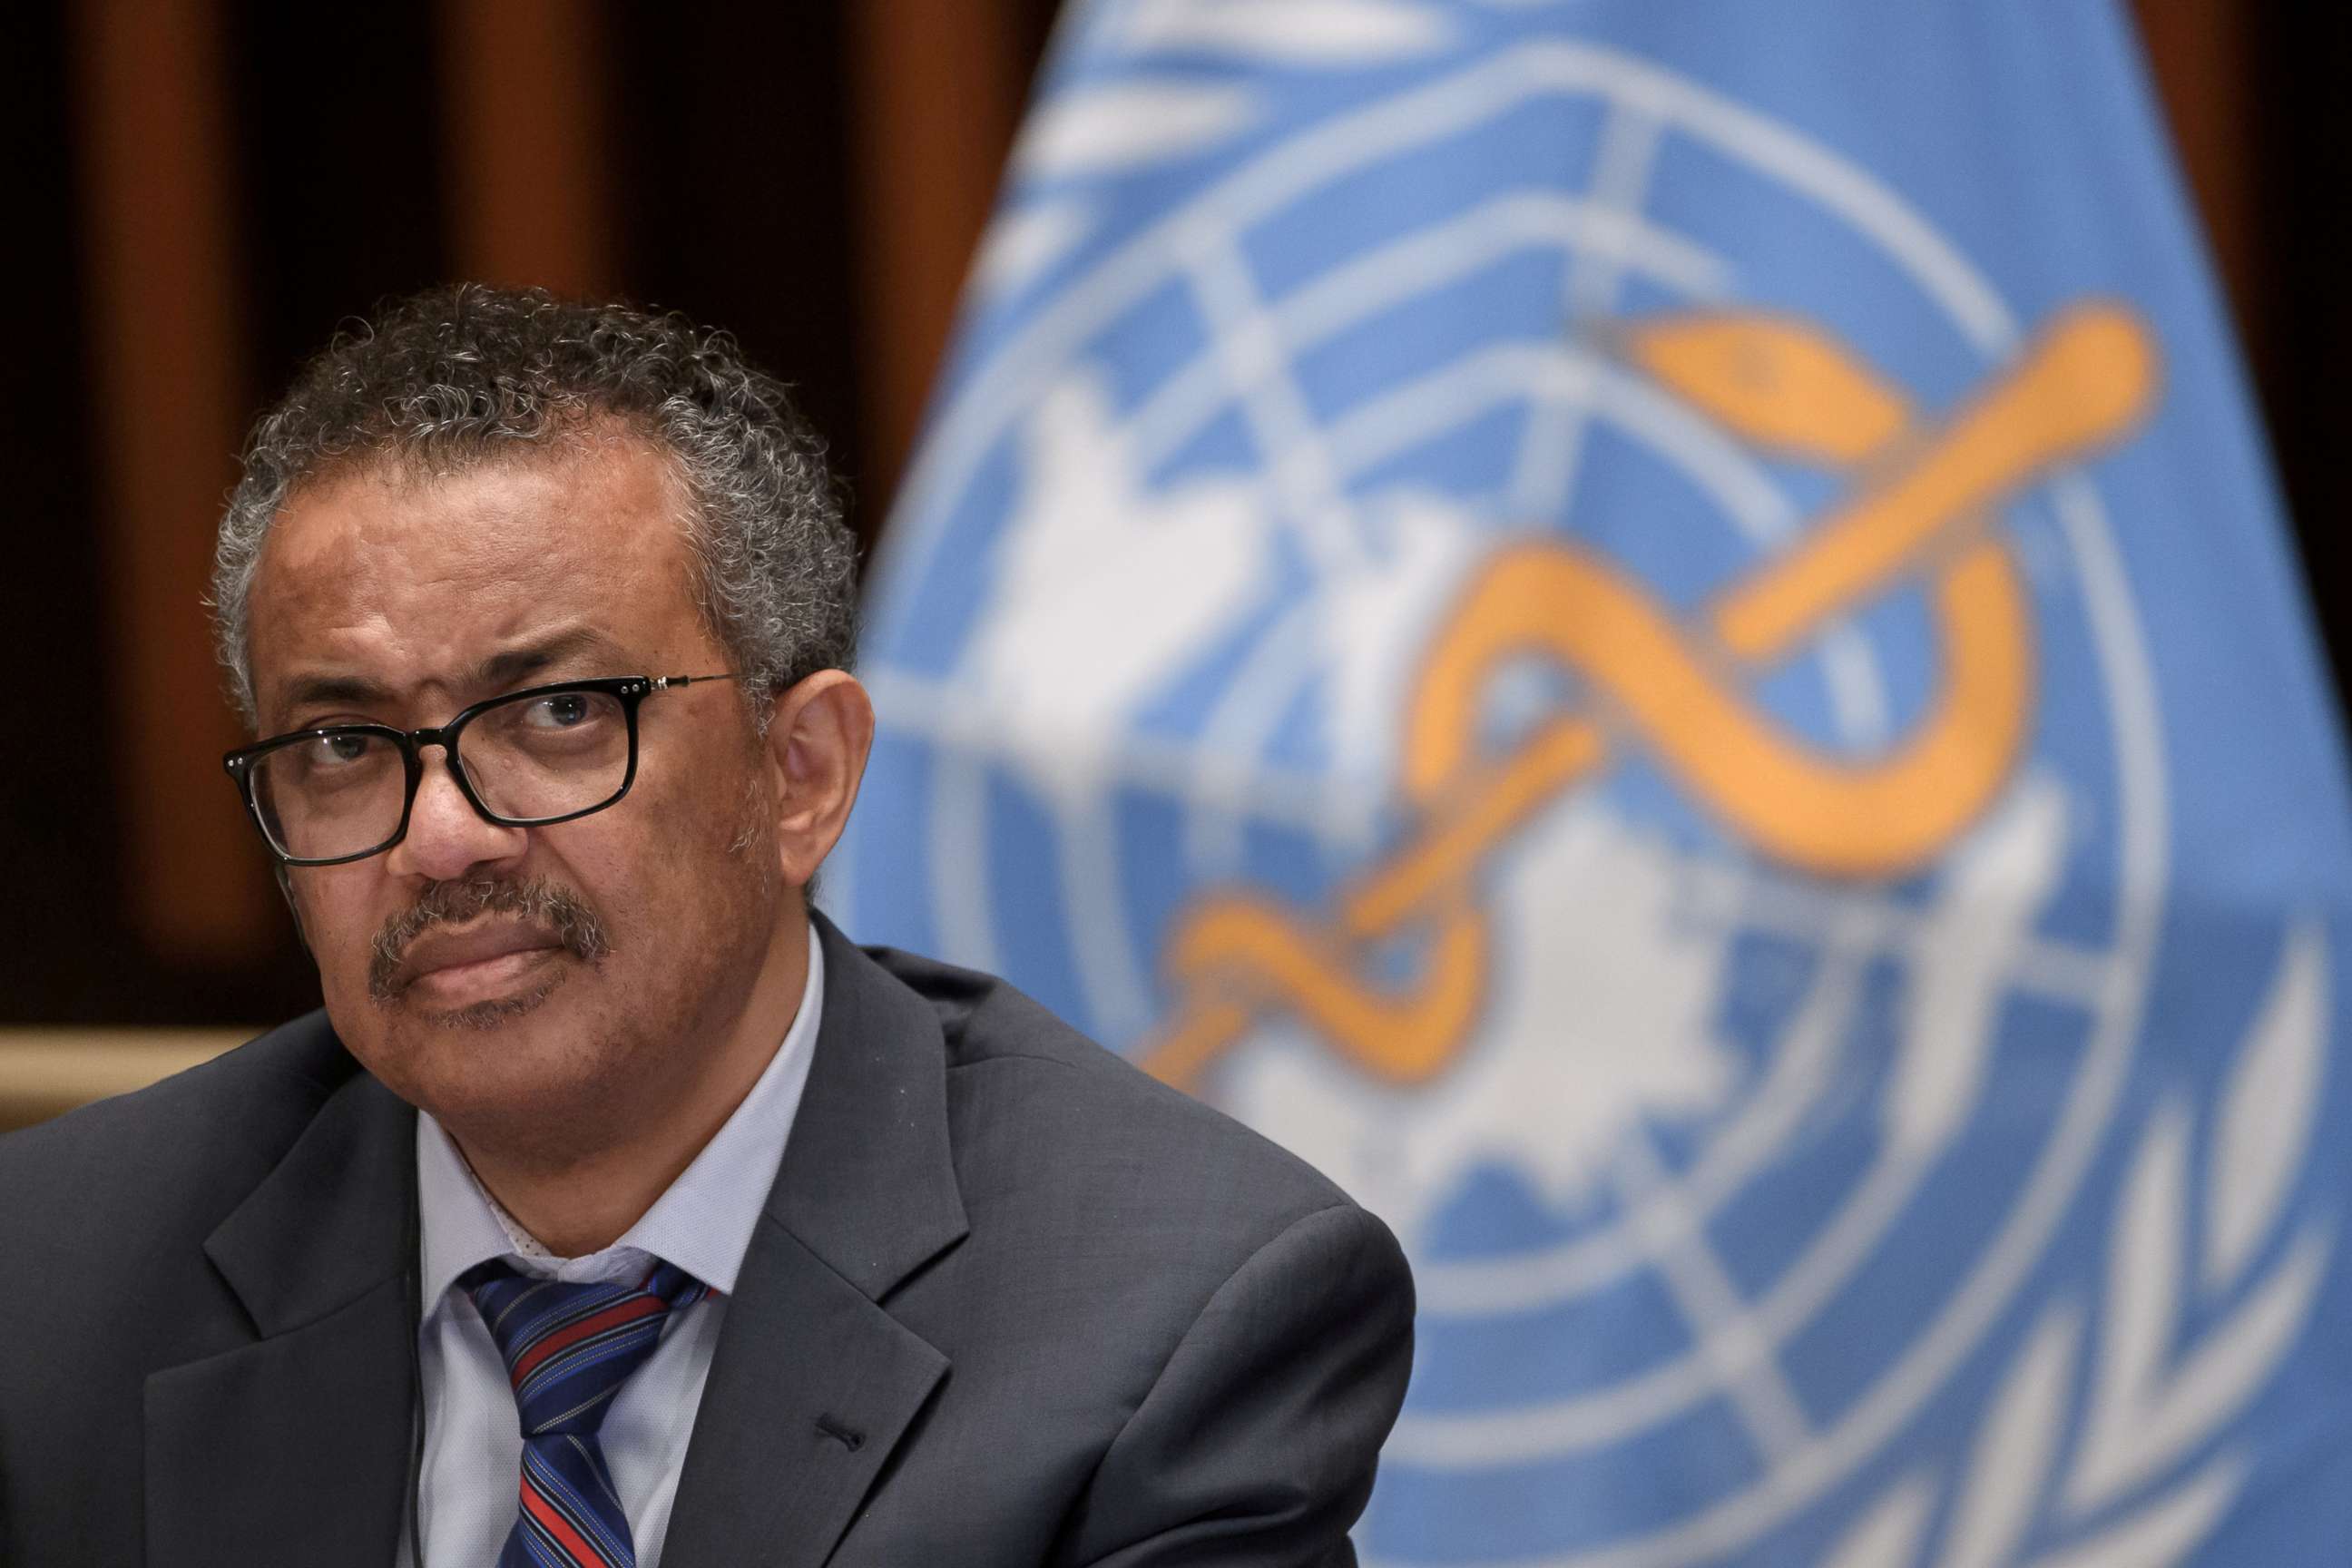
528	759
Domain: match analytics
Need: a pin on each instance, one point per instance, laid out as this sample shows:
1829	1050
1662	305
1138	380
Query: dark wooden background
199	191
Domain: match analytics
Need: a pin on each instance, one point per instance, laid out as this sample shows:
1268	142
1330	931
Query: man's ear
819	733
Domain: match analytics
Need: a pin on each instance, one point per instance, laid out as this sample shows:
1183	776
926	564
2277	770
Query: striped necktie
568	1348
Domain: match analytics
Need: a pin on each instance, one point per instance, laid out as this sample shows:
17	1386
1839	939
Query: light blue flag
1655	631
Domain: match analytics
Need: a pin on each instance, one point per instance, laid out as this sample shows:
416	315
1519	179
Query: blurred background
204	191
1776	1194
201	192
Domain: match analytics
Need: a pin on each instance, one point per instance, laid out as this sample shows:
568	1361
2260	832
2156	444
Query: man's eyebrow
312	691
515	664
507	667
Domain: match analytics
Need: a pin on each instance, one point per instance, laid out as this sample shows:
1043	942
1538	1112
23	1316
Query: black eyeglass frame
630	689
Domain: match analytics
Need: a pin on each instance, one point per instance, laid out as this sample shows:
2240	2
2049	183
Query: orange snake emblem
1922	494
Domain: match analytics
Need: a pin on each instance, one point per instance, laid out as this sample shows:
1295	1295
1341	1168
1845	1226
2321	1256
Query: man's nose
446	837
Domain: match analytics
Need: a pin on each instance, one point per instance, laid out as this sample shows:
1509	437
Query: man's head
459	376
486	491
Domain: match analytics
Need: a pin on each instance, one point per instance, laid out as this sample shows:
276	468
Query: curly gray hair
460	374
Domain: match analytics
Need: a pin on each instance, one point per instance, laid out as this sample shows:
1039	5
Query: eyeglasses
546	753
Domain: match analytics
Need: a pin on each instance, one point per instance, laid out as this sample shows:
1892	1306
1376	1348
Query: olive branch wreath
2154	1399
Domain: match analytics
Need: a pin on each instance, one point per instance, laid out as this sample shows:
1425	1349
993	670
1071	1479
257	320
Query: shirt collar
703	1222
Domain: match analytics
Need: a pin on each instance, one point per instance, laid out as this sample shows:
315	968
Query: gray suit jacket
1011	1302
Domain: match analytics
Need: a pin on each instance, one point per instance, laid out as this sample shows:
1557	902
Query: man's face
499	976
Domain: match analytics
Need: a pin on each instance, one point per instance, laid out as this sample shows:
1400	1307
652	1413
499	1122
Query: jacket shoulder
1021	1077
183	1150
1166	1315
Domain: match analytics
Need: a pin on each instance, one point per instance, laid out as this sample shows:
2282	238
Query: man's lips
477	956
463	942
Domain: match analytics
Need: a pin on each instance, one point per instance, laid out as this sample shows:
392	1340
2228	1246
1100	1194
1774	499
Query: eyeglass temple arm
664	682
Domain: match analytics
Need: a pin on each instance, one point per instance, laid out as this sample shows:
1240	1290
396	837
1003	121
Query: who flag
1656	631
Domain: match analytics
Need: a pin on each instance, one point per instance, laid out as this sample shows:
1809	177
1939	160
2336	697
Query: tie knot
568	1347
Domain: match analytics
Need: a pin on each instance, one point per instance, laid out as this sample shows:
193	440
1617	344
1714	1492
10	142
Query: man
615	1209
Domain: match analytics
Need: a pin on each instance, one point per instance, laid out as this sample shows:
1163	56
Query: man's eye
337	749
564	712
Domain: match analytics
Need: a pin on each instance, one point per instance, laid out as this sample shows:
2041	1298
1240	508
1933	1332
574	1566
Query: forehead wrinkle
401	574
394	489
528	655
534	656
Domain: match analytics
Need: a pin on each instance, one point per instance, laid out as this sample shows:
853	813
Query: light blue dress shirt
472	1468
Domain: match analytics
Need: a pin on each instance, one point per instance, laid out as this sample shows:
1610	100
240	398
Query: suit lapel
811	1387
294	1450
815	1384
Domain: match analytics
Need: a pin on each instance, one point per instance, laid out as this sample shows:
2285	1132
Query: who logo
1548	641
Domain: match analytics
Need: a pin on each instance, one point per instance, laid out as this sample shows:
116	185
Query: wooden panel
529	197
169	386
47	1072
2202	56
936	89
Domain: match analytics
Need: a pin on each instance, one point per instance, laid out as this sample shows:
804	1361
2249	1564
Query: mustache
550	907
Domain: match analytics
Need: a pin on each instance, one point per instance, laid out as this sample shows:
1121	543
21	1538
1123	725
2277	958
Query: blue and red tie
568	1348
